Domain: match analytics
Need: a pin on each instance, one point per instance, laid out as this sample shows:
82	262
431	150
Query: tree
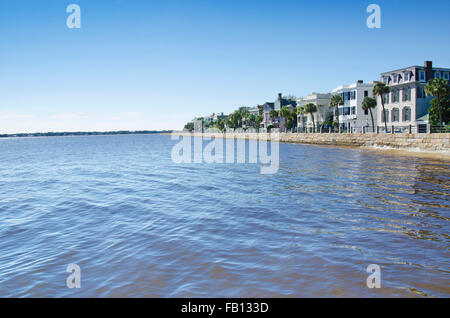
379	90
258	121
285	112
367	104
300	110
273	114
250	119
189	126
311	109
260	110
235	119
335	102
437	87
294	116
220	124
434	112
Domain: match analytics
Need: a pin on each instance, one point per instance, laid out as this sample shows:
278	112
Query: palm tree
336	101
311	109
300	110
367	104
294	117
285	112
437	87
258	121
273	114
379	90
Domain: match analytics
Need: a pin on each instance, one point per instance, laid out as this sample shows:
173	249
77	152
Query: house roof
424	118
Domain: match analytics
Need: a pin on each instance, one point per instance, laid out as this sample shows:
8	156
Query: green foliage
273	113
285	112
434	112
310	108
235	119
438	87
336	100
379	89
368	103
189	126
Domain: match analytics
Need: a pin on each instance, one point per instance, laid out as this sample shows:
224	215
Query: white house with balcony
352	118
322	102
407	104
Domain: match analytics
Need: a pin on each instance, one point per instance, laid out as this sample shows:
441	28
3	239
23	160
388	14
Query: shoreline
417	145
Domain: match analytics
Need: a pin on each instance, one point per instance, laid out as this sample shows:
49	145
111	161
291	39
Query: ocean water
139	225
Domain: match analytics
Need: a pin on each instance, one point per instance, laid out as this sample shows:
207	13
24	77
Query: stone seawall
415	142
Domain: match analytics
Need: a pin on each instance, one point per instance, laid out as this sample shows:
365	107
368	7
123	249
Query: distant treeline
86	133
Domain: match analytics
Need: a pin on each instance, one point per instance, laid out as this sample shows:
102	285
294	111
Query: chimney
428	70
280	96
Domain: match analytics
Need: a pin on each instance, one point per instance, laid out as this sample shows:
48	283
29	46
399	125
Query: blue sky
157	64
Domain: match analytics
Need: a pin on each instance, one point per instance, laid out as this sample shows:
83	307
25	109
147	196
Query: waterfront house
267	120
322	102
352	118
407	104
216	117
279	103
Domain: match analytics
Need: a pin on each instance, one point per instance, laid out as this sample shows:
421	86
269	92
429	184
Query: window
385	116
366	93
346	110
366	112
395	78
437	75
386	80
395	115
396	96
353	95
407	94
446	76
386	98
407	76
422	76
420	92
341	111
353	110
406	114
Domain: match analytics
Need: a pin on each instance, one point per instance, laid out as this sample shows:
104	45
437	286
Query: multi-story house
267	119
217	116
322	102
407	103
277	105
352	118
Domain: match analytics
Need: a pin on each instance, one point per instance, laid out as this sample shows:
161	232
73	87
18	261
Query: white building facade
322	102
352	118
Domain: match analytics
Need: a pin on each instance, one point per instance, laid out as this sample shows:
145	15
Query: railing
391	129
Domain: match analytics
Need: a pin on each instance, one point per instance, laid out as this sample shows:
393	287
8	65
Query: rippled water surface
140	225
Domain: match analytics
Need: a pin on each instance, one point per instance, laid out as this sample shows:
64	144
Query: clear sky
157	64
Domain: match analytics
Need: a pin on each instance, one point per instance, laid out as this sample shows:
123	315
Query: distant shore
86	133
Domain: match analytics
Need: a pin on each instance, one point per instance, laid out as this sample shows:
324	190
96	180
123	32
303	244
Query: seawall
433	143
